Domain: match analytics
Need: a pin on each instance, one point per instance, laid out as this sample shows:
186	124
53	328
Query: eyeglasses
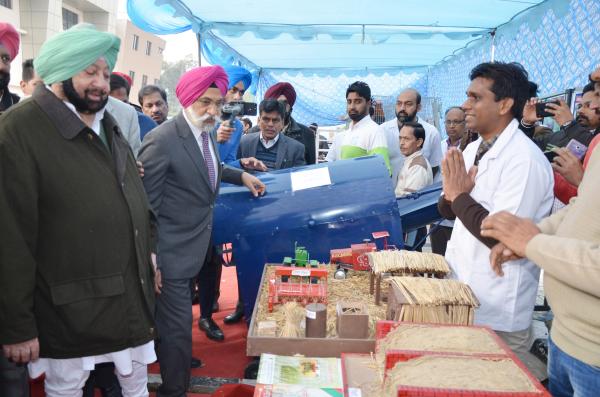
453	122
5	59
206	103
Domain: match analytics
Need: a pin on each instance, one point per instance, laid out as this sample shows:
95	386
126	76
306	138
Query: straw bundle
454	372
408	262
294	314
431	300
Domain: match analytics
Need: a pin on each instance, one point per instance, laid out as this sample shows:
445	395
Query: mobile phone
577	148
540	109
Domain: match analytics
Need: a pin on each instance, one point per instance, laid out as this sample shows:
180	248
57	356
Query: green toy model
301	258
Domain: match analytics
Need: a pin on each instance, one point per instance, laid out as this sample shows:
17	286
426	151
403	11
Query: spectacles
5	59
453	122
206	103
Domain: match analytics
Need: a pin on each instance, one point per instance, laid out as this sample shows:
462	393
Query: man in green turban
76	273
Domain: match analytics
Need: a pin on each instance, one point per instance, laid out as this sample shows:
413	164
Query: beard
582	120
4	80
84	105
356	117
205	123
404	117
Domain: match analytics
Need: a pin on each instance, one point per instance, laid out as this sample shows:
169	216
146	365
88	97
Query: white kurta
432	149
413	175
512	176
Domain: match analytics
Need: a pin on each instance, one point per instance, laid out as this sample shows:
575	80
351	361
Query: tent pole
493	34
199	39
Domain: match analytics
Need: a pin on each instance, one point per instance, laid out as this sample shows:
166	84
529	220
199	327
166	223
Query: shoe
211	329
196	363
236	316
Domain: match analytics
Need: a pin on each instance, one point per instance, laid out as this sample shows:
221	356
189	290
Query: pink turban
194	83
126	77
284	89
9	38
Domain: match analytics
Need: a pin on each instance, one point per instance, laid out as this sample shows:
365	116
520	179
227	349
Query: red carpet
225	359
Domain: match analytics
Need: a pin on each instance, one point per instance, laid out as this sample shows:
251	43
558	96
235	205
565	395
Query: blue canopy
346	40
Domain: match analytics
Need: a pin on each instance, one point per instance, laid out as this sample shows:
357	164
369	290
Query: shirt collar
271	143
363	122
195	130
412	156
97	117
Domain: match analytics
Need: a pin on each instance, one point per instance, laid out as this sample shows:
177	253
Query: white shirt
97	117
413	175
271	143
360	138
512	176
432	149
198	135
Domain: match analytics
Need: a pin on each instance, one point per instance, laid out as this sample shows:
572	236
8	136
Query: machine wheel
251	371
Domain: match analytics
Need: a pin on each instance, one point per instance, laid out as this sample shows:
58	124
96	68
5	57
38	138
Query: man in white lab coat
506	172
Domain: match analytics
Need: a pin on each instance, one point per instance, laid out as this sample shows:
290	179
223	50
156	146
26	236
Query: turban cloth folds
284	89
10	39
194	83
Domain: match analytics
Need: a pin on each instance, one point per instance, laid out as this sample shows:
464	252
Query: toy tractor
355	258
301	258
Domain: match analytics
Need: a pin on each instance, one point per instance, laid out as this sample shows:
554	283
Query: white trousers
64	378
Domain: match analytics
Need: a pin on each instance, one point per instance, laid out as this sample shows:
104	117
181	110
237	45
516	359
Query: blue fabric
228	150
321	47
570	377
237	74
146	124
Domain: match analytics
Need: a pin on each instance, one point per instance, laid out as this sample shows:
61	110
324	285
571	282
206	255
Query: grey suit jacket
177	183
290	152
127	120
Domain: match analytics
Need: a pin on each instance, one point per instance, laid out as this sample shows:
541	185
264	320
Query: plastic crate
382	328
393	357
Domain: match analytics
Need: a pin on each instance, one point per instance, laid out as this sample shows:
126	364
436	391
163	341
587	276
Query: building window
148	48
144	80
132	75
160	50
136	40
69	18
6	3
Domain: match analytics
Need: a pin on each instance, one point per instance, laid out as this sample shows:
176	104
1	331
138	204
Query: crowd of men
106	210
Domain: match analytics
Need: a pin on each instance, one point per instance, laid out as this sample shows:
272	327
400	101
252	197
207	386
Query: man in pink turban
9	48
284	92
182	175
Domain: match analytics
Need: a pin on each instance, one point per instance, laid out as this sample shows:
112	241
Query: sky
178	45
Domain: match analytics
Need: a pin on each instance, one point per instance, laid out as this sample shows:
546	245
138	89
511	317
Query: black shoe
211	329
196	363
236	316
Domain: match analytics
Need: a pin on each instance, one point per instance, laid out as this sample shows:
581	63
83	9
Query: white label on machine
311	178
301	272
354	392
310	314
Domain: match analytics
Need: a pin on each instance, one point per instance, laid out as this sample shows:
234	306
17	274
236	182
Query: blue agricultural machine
322	206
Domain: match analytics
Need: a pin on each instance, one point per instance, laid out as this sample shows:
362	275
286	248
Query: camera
233	109
540	109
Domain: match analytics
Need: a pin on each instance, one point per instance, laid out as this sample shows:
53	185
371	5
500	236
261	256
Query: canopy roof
330	36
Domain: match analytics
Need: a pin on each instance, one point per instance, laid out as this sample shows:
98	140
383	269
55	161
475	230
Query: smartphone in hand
577	148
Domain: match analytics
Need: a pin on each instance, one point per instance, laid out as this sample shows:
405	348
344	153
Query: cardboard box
360	375
310	347
352	320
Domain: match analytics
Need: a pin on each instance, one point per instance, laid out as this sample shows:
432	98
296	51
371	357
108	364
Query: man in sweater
270	146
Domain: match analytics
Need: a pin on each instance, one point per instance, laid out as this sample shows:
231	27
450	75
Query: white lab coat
512	176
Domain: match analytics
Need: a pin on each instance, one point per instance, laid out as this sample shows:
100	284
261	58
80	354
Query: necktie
208	160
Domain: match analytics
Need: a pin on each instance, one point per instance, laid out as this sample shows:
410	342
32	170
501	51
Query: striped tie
208	160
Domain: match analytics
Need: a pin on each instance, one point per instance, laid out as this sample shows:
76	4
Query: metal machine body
358	200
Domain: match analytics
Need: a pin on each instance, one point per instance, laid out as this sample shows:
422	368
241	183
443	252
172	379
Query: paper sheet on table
310	178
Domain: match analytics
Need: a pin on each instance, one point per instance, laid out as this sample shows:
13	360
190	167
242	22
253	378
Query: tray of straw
430	300
408	262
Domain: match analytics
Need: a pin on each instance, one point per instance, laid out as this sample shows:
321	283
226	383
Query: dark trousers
439	239
207	282
103	377
14	379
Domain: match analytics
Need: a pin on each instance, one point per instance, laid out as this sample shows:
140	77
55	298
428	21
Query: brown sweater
568	249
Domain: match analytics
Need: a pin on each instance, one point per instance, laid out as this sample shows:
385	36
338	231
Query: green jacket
75	267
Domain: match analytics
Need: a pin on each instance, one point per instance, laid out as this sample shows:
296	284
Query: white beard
205	123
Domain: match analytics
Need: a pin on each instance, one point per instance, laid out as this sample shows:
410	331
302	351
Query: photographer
561	113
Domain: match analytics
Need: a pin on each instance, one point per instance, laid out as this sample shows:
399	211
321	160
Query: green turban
68	53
